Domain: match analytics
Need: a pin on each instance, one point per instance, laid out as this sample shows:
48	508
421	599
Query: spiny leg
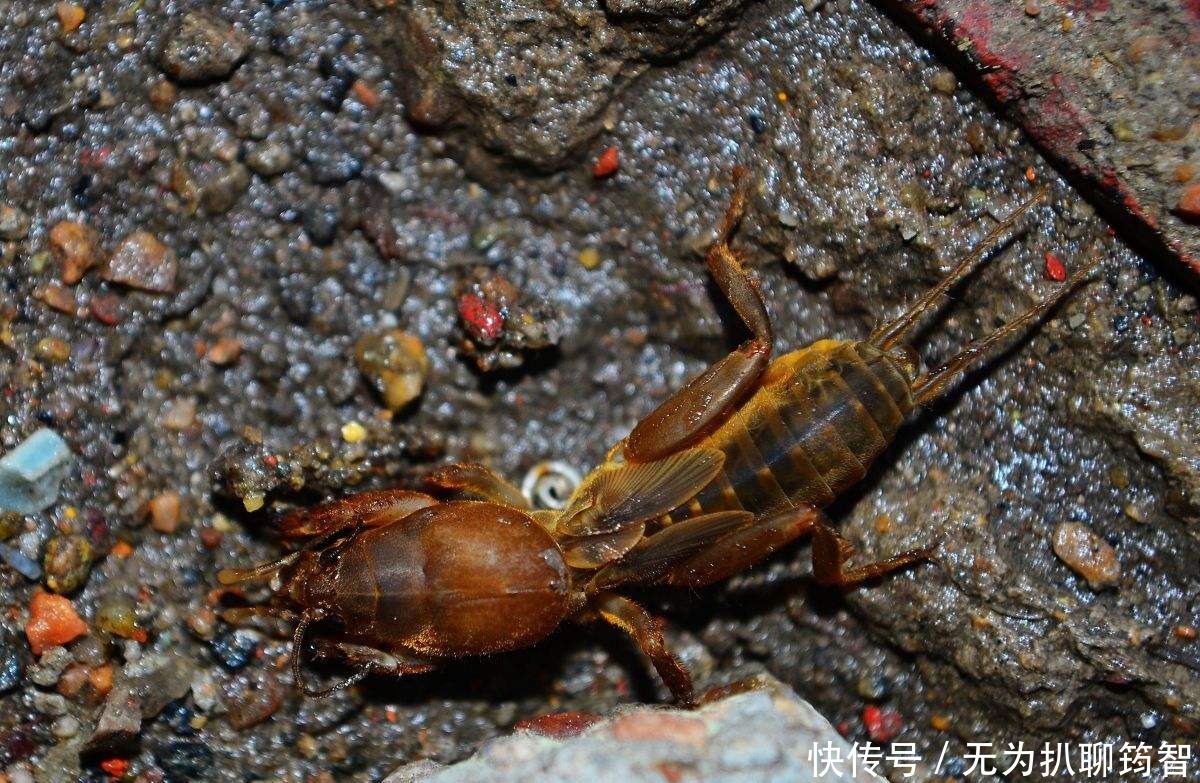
888	334
830	551
707	400
366	660
477	480
931	384
744	548
637	622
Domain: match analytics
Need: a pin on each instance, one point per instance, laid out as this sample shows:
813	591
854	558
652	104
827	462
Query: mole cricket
733	466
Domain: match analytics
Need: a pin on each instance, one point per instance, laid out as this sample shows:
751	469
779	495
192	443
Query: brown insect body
729	469
434	585
818	420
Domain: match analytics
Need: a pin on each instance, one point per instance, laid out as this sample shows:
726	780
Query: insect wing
614	497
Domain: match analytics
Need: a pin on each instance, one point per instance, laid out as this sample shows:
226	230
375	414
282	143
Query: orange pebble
52	620
607	164
101	679
70	16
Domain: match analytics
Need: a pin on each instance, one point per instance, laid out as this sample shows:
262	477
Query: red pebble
607	164
1055	269
882	725
482	317
115	767
106	308
560	724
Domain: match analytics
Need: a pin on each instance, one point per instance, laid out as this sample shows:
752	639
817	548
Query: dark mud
301	210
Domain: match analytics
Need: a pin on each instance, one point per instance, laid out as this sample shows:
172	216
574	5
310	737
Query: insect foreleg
637	622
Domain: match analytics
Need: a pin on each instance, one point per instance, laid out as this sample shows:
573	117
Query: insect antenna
934	382
886	335
307	619
230	576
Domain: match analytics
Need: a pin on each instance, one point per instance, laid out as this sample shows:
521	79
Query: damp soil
314	172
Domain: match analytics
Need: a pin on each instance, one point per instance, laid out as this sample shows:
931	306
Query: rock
234	649
395	363
14	223
1087	554
221	186
20	562
70	16
67	561
765	732
76	246
12	660
141	261
52	621
31	474
268	159
252	698
50	666
203	48
1188	206
164	511
120	720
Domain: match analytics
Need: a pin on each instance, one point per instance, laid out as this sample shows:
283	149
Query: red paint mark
559	724
1055	270
607	164
483	318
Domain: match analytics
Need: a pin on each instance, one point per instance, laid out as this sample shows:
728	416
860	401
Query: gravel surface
206	210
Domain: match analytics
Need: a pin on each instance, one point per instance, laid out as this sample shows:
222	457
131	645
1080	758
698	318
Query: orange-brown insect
733	466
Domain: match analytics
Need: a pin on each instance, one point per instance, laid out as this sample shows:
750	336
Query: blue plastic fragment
31	474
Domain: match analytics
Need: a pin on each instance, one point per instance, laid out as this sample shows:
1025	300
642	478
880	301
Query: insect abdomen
821	416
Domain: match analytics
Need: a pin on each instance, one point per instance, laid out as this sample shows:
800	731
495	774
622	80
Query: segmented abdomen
821	417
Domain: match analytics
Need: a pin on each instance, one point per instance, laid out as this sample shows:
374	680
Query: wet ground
290	206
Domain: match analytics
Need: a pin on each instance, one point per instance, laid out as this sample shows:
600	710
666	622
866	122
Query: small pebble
67	562
164	511
395	363
203	48
163	95
180	414
353	432
70	16
12	664
52	350
117	614
945	82
140	261
52	704
607	163
14	223
50	666
268	159
589	258
76	247
52	620
251	699
234	649
1087	554
65	727
31	473
1188	206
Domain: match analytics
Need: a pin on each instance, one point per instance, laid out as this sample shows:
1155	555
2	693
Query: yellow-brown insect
733	466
